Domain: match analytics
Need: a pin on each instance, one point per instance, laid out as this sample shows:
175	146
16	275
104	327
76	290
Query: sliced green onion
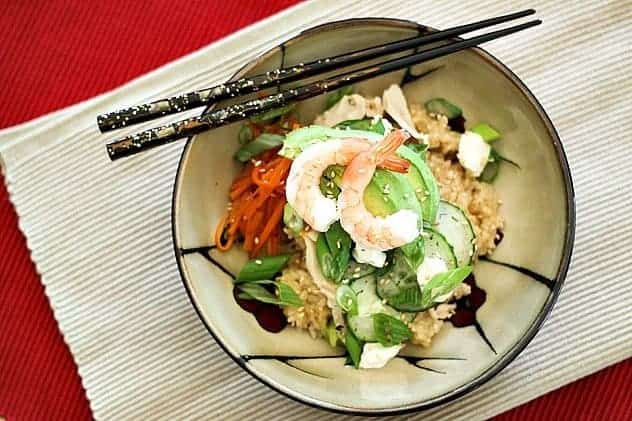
443	106
245	134
262	143
291	220
331	334
494	155
354	348
347	299
330	181
490	172
334	97
263	268
390	331
487	132
272	114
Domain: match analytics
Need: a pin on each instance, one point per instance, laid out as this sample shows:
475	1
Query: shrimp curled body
366	229
302	188
303	182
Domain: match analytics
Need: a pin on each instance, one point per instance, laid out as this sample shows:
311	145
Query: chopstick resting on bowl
184	128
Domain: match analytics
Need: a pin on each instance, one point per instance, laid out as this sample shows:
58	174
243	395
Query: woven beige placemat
100	232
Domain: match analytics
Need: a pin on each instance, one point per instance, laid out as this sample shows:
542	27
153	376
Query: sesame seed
256	240
258	262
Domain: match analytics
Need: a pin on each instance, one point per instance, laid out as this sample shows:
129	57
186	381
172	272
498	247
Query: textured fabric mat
139	346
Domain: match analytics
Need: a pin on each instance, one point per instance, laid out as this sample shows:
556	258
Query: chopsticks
168	133
176	104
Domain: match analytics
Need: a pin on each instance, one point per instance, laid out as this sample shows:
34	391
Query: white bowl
538	205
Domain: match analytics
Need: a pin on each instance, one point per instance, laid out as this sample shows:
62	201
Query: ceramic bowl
522	279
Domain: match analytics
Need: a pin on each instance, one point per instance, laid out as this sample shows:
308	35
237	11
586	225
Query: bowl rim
532	330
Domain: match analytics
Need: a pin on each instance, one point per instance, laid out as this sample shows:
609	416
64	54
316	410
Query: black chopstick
184	128
175	104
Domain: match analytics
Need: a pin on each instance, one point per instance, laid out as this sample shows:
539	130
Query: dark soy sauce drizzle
269	316
457	124
466	308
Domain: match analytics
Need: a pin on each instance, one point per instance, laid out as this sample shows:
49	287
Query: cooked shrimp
366	229
303	183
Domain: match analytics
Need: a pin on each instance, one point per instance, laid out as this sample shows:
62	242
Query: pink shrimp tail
385	152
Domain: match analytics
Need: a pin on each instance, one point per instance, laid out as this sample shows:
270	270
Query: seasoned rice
315	313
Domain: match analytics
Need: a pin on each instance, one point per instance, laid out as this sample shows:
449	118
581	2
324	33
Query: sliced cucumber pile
457	229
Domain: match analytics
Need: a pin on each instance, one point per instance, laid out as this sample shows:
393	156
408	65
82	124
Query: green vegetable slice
442	284
347	299
245	134
272	114
298	140
330	181
334	97
263	268
443	106
286	296
490	172
262	143
390	331
414	252
429	198
333	250
354	348
332	334
366	124
487	132
291	220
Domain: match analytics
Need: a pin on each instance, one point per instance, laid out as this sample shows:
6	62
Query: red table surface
55	53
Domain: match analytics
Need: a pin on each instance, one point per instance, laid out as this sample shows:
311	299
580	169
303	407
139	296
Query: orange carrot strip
275	218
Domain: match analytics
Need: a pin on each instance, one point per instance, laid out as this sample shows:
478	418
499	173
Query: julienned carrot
257	199
273	222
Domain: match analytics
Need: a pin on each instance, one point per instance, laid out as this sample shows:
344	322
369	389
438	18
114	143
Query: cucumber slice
397	284
362	327
443	106
487	132
369	303
357	270
457	229
436	245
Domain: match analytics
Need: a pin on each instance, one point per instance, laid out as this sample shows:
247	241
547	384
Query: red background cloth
55	53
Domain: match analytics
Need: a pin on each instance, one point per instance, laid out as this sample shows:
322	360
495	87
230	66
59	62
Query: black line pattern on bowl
549	283
285	359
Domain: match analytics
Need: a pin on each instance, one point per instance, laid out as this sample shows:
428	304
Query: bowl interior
519	293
